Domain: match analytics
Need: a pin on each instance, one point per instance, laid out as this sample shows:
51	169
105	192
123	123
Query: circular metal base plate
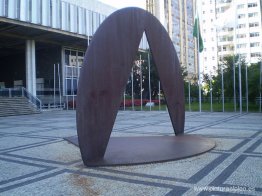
150	149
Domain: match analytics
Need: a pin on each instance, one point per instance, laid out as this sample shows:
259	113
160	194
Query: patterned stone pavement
36	160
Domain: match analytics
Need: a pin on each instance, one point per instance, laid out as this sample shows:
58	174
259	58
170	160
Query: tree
207	80
228	77
154	79
254	81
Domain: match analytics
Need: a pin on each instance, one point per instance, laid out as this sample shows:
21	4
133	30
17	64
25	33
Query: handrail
33	99
21	92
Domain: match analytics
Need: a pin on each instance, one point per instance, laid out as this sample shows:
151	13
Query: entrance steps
11	106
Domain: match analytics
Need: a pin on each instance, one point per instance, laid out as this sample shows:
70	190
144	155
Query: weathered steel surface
106	69
150	149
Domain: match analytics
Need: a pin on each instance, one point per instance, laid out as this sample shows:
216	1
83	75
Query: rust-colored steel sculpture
106	69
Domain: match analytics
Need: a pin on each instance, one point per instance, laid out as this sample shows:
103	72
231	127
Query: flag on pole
197	34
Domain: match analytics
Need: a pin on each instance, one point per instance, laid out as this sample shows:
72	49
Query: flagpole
260	88
246	89
198	61
223	101
132	80
54	86
59	85
196	33
230	16
159	100
211	96
234	80
189	98
124	100
240	86
149	80
234	65
66	91
239	65
72	86
141	89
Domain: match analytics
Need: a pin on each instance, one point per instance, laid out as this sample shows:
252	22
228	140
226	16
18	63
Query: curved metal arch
106	70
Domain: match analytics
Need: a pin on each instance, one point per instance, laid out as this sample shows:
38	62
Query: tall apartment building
156	7
179	21
230	27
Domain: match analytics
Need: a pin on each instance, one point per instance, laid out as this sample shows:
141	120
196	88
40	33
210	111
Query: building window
254	14
254	24
243	55
241	35
254	44
241	26
241	16
255	34
213	58
225	38
73	61
241	45
222	38
241	6
224	1
256	54
252	5
222	9
230	38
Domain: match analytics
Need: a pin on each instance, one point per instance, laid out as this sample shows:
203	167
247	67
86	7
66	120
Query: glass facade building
59	31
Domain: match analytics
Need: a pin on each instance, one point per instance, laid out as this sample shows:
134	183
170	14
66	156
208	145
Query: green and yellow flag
197	34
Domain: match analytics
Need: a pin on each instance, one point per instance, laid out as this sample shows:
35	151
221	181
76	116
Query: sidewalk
36	160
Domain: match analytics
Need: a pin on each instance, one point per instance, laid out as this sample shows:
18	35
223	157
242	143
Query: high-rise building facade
178	21
156	7
230	27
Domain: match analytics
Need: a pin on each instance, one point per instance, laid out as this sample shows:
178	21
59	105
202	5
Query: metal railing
21	92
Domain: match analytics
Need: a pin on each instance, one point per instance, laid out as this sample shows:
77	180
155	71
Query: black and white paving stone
36	160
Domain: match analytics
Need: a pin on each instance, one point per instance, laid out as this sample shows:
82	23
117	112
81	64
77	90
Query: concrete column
30	67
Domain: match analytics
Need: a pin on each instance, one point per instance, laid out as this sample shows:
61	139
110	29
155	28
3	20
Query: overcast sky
125	3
